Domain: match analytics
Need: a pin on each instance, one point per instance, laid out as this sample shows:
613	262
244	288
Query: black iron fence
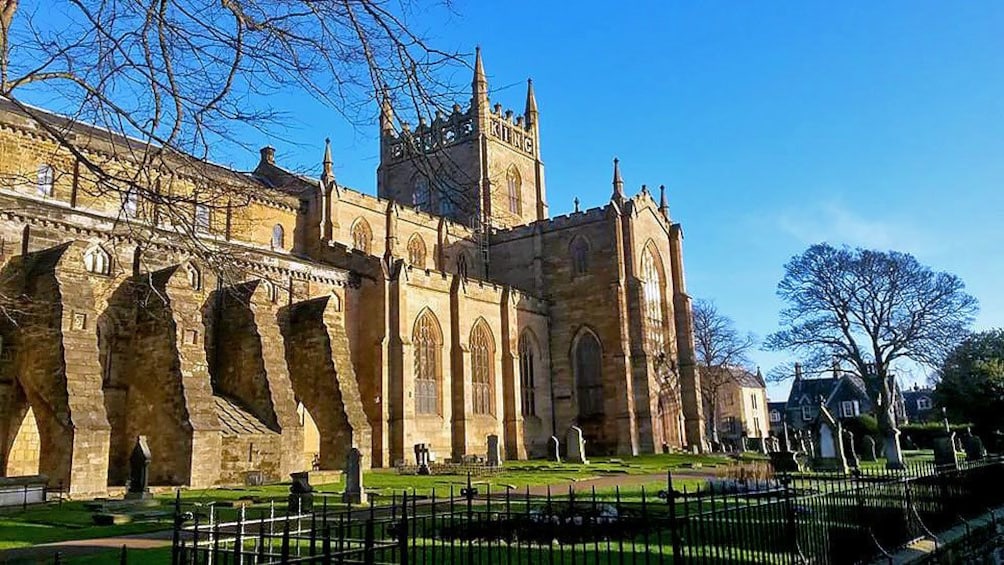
789	519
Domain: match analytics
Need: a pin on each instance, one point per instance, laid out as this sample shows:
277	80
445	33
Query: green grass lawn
51	523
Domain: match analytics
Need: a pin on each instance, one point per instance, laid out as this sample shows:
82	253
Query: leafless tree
721	350
175	78
870	309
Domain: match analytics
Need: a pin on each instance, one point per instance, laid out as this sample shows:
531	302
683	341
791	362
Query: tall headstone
553	449
850	453
139	470
973	446
944	448
494	451
422	459
576	446
868	449
301	494
354	491
830	449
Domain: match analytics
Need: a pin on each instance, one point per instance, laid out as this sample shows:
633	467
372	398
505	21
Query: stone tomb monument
829	454
973	446
422	458
868	449
494	451
783	459
553	450
944	448
850	453
354	491
576	447
301	494
139	471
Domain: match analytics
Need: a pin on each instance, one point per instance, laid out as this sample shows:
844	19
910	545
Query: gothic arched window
580	255
278	237
527	354
482	369
587	361
652	289
428	342
514	183
416	251
421	196
98	261
194	277
362	236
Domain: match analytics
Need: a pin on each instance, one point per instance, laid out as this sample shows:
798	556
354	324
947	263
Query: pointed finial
576	201
531	104
663	205
328	174
386	112
618	181
479	86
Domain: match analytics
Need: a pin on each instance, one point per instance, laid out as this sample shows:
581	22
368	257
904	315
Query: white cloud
838	224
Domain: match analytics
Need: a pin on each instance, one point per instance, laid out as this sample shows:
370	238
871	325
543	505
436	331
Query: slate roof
235	421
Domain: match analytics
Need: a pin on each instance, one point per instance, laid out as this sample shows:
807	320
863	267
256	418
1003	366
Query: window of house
588	375
278	237
849	408
775	416
98	261
428	343
580	256
362	236
416	251
45	179
482	369
203	218
514	184
526	374
652	290
806	414
923	403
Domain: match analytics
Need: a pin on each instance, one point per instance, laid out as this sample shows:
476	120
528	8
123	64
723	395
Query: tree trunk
7	9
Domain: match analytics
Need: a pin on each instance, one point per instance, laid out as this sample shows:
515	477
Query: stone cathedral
450	307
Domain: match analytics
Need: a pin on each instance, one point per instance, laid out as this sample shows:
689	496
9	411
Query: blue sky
775	125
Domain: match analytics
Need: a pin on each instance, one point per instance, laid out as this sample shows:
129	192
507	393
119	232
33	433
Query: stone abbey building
449	308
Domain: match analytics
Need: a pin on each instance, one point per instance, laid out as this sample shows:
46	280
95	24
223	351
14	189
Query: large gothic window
278	237
587	360
580	255
652	281
428	343
362	236
482	369
416	251
527	353
514	184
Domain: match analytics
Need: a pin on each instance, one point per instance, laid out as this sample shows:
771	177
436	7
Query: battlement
551	224
405	212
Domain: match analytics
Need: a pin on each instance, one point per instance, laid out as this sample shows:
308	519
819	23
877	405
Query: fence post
176	535
284	549
789	511
123	558
402	534
669	495
368	557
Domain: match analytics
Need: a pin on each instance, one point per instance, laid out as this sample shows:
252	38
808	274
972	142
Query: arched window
652	289
421	196
203	218
278	237
98	261
448	198
527	354
194	276
362	236
270	291
428	342
416	251
45	179
482	369
514	184
587	361
130	204
580	255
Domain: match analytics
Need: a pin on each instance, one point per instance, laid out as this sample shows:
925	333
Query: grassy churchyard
626	476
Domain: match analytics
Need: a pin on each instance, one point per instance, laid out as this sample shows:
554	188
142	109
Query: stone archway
311	437
24	453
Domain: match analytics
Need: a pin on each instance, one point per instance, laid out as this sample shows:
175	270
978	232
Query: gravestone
494	451
301	494
553	450
830	449
422	458
139	470
850	453
868	449
973	446
354	491
576	447
944	448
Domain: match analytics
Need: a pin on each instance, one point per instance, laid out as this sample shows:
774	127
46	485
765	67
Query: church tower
474	166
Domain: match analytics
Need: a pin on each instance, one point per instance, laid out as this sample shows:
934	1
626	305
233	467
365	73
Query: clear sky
775	125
